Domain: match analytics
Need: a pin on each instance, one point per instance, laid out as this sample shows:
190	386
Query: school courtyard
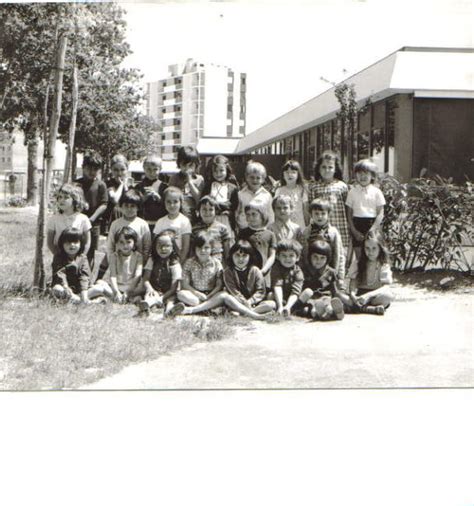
424	340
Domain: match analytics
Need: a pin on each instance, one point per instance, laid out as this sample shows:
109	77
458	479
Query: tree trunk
72	127
74	164
32	182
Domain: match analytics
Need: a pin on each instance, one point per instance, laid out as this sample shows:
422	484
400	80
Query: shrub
427	222
17	201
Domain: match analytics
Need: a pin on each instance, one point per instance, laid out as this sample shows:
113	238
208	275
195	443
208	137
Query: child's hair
75	192
294	165
328	155
165	233
255	167
219	160
71	234
320	247
153	159
366	165
92	160
187	154
130	197
289	245
257	206
118	158
320	205
201	238
207	199
282	199
173	190
128	233
248	248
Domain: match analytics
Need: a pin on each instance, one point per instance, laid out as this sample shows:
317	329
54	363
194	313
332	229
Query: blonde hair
255	168
75	192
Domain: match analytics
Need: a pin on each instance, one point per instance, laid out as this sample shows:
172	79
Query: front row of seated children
201	283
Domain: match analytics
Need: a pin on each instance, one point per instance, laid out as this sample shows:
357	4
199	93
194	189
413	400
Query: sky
285	48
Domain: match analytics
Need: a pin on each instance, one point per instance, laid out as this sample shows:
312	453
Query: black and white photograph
237	197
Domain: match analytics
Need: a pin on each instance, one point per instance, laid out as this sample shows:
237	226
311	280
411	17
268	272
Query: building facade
197	101
420	115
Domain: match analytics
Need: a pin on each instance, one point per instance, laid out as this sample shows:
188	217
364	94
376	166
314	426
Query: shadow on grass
436	280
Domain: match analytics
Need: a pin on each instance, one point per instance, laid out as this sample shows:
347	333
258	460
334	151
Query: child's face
173	204
327	170
119	170
164	246
207	212
283	211
290	176
90	172
318	261
372	249
288	258
254	180
241	259
125	246
319	217
151	169
219	172
203	252
65	202
188	167
254	218
71	248
129	211
363	177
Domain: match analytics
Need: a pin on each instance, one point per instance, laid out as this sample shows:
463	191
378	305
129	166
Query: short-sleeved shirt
179	225
141	228
60	221
245	196
126	267
290	280
364	200
75	274
95	193
164	272
202	277
217	230
376	275
288	230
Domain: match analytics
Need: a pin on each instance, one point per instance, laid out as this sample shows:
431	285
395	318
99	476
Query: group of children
191	244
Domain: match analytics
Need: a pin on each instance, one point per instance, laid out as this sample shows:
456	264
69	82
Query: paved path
424	344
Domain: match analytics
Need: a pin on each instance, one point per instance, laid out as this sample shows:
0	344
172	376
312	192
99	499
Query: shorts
363	226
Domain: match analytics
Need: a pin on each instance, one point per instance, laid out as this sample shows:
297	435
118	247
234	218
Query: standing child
208	223
70	203
175	221
371	277
255	175
222	187
125	268
283	227
364	203
151	190
187	180
95	193
330	186
320	296
320	228
262	240
116	187
292	183
162	274
71	271
287	277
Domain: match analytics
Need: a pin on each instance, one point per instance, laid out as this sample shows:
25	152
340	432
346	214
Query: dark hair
320	204
201	238
207	199
187	154
294	165
320	247
219	160
246	247
328	155
165	233
383	258
92	160
71	234
130	197
366	165
128	233
289	245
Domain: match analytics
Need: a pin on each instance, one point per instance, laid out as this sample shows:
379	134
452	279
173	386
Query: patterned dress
336	192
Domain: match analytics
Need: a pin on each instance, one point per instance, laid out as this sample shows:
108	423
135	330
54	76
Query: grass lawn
46	345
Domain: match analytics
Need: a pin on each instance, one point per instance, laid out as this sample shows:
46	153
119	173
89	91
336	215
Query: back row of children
192	244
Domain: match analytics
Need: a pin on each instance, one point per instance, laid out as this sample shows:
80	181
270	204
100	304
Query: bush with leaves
428	222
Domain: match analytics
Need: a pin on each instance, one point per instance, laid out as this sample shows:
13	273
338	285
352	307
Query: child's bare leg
101	288
265	307
305	295
235	305
188	298
215	301
383	297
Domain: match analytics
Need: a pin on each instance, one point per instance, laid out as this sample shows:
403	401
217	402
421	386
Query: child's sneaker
175	310
144	308
378	310
338	308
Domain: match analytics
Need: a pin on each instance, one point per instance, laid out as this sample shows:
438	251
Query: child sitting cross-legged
286	276
319	298
162	274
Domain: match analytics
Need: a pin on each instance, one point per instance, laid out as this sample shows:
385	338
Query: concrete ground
424	340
